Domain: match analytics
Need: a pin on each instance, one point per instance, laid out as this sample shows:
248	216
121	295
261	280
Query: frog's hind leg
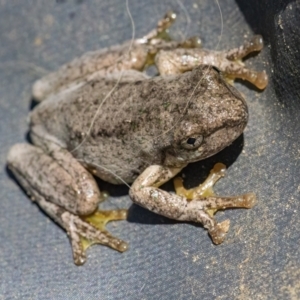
67	193
84	231
211	203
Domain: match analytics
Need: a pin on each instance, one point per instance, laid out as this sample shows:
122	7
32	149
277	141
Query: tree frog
101	115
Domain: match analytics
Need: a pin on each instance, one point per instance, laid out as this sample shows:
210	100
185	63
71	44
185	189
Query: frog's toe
253	45
261	80
218	233
84	232
249	200
256	43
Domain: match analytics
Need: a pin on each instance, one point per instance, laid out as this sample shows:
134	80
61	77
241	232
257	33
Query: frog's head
214	115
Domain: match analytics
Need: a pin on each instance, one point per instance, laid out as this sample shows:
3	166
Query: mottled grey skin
144	122
100	115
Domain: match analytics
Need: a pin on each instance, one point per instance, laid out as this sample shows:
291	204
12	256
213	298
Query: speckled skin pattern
100	115
144	121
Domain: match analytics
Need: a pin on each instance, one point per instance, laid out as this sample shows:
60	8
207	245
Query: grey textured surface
167	260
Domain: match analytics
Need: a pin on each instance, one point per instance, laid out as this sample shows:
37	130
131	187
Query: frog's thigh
145	192
59	177
64	190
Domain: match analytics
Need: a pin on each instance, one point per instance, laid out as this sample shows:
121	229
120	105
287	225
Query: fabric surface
260	258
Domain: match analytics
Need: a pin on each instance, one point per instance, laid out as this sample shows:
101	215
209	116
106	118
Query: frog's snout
40	89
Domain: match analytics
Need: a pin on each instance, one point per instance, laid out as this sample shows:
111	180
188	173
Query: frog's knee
88	195
166	64
88	205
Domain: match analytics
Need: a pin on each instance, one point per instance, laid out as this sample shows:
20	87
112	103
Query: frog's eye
192	142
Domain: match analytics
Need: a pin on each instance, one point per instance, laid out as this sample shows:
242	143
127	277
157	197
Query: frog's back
98	121
108	109
124	127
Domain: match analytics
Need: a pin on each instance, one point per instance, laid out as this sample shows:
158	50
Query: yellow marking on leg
206	188
203	190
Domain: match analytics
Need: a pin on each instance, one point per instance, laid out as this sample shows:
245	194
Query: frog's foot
158	38
86	231
64	190
212	202
202	210
205	199
160	32
236	69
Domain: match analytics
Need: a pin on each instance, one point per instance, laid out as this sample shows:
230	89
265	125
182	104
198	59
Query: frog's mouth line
218	140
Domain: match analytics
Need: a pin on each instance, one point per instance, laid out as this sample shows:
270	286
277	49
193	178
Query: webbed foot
86	231
237	69
204	198
67	192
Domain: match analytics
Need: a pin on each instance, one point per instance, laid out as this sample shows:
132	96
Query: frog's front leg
146	193
67	193
211	201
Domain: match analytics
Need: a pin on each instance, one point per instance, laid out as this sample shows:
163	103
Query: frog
101	115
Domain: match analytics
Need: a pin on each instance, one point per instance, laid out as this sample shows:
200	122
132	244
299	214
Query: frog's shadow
195	173
32	104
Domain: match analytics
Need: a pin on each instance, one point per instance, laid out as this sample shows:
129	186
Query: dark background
260	258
